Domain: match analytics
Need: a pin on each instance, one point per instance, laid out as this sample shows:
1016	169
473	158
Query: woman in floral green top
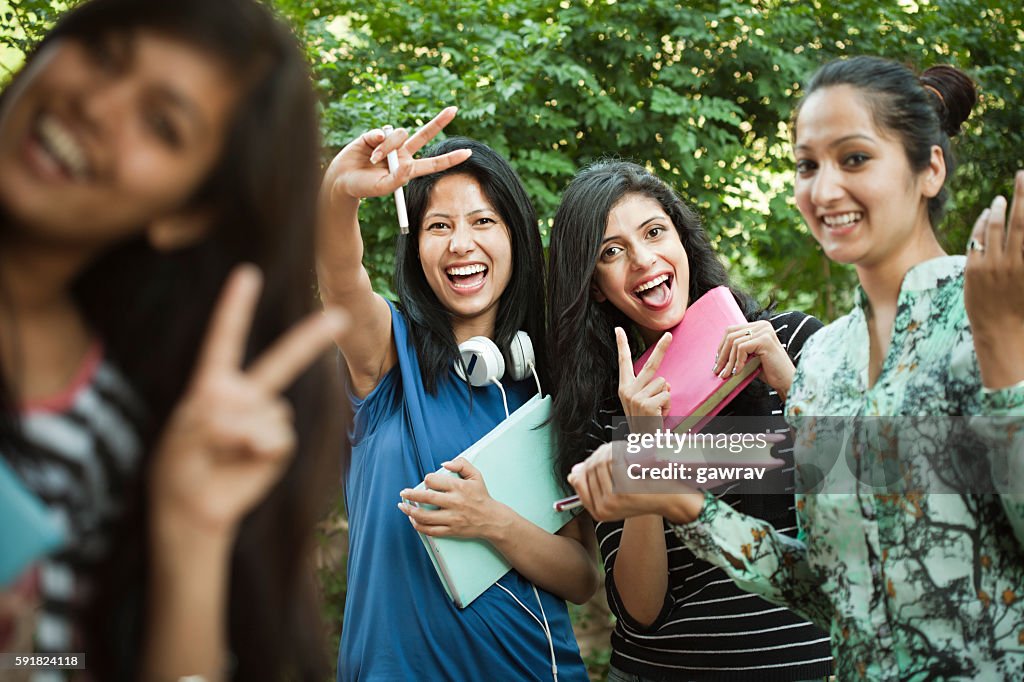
913	585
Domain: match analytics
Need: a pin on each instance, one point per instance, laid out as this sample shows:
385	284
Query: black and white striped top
81	449
708	628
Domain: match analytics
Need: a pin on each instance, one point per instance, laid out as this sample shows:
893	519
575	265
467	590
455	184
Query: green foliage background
700	92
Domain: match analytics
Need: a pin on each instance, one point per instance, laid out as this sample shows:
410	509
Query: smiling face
99	140
854	185
466	254
642	268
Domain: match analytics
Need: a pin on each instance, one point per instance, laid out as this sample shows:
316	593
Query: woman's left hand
464	507
756	339
993	291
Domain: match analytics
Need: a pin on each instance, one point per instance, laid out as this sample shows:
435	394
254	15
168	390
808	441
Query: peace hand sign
361	170
643	395
231	435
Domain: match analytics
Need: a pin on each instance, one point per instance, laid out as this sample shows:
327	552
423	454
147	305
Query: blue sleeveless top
399	623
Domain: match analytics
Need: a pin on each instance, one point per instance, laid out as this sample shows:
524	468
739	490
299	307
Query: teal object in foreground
27	532
516	460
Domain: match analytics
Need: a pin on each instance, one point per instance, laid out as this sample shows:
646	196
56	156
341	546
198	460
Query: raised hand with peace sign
644	395
361	170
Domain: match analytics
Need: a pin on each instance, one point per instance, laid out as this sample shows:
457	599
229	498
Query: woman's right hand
645	395
593	480
230	437
361	168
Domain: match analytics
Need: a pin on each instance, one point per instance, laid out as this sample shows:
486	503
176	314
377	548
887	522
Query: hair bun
955	93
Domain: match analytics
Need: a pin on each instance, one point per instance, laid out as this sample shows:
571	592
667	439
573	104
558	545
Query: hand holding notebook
516	460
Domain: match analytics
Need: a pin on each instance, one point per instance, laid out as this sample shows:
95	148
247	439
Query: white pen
403	216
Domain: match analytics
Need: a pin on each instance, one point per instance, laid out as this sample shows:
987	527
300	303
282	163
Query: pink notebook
697	394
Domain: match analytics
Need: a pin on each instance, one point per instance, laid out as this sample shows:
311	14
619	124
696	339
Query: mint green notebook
28	530
517	462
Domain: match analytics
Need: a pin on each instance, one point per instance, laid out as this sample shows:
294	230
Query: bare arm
564	564
641	567
360	170
640	571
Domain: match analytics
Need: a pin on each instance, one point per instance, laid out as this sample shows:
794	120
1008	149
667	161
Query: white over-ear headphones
481	363
484	363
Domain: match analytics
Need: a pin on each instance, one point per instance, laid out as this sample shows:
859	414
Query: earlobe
596	293
179	230
935	173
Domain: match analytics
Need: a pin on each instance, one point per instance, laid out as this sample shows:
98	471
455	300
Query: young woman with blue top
472	266
912	584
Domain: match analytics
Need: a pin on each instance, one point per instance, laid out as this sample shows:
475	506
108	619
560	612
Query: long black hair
583	352
151	309
923	111
522	303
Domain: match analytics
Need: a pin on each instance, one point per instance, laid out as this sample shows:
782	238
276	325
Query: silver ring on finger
749	333
975	245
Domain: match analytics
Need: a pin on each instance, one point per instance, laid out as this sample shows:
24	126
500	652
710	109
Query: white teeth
59	141
467	270
842	219
650	285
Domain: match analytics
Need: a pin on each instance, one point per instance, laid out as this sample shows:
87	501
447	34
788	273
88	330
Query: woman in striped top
627	254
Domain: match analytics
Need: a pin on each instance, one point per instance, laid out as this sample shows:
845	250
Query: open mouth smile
467	278
655	292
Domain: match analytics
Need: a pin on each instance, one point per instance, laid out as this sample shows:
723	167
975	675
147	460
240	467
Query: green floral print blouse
913	585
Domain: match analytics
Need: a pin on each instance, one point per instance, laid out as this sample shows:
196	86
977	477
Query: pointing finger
228	330
1015	236
436	164
625	358
430	130
994	232
654	360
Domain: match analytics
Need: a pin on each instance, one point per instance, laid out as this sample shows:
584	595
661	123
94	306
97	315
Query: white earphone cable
543	626
536	378
504	400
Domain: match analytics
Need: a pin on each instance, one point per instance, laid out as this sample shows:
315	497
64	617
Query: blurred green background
701	93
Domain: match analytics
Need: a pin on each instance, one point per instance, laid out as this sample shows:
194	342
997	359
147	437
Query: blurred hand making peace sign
231	436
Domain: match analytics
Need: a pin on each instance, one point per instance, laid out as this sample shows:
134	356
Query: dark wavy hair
151	309
522	303
923	111
582	342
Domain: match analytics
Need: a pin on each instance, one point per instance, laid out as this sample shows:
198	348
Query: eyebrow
659	216
448	216
842	140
